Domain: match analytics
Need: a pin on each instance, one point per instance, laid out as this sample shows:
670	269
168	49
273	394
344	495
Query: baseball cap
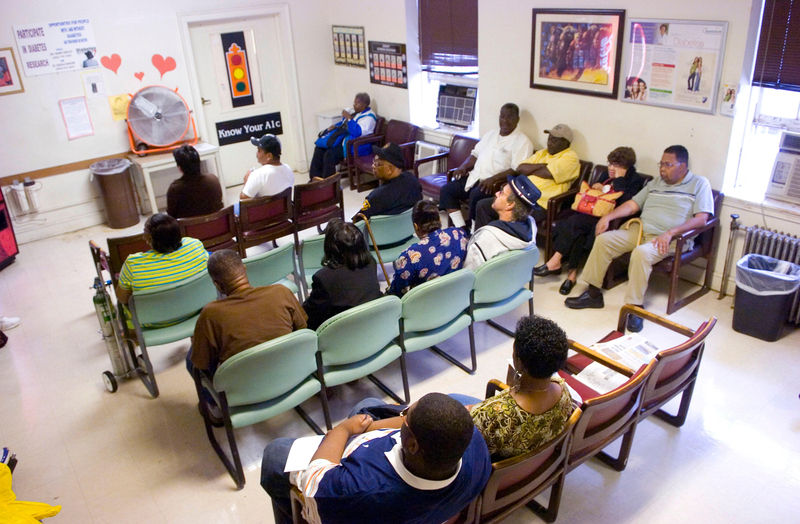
561	131
268	143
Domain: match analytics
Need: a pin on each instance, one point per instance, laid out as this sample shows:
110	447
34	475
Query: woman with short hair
195	193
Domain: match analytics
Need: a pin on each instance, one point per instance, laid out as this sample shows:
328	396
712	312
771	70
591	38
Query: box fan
159	120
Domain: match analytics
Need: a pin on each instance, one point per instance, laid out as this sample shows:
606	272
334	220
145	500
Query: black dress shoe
585	301
634	324
542	271
566	287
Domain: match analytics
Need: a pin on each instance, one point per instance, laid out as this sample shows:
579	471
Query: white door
269	74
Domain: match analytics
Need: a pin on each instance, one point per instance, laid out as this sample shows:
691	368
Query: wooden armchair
460	149
557	204
675	369
216	230
705	238
265	219
346	166
318	202
397	131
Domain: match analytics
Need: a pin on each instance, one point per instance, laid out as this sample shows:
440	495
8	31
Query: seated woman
195	193
171	260
537	406
348	278
439	251
573	236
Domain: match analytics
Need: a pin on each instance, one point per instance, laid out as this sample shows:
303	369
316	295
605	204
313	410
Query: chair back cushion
216	230
504	275
312	249
258	213
390	229
120	247
435	303
317	198
174	301
400	132
359	332
268	370
271	267
460	149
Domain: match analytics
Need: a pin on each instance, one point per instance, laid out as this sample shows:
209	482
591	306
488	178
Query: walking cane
374	244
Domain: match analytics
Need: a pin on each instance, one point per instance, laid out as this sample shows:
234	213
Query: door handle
204	101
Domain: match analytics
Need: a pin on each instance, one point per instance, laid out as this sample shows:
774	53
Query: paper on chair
302	451
631	350
600	378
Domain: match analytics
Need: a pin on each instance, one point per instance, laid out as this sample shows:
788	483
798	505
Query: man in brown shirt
244	318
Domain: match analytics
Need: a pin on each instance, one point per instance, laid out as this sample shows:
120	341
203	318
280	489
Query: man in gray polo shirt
676	202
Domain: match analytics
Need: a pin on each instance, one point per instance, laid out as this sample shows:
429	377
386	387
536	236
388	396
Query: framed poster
674	63
577	50
349	46
387	64
10	81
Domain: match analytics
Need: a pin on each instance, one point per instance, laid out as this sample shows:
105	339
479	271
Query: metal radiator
768	242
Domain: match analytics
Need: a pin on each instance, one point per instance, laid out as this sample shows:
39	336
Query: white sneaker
7	323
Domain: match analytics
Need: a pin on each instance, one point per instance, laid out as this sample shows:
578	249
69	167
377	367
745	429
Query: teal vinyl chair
500	286
182	300
358	342
311	251
274	267
435	311
393	234
260	383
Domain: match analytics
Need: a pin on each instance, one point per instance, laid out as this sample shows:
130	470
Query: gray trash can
765	291
116	188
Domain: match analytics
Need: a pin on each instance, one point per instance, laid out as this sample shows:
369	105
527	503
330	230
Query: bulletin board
387	64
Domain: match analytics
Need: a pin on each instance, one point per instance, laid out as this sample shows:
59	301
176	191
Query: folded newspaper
630	350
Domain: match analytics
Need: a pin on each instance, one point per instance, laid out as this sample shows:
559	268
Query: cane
374	244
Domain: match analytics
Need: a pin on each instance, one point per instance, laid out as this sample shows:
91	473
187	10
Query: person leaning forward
399	190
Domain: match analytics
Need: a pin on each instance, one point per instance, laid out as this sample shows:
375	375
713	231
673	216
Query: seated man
331	145
272	177
671	205
498	153
195	193
399	190
552	170
244	318
514	229
422	467
439	251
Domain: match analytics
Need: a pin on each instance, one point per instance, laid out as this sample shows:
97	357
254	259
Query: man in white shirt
273	176
499	152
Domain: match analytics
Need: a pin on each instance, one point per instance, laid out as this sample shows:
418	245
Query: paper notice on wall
76	117
93	84
119	107
53	47
728	105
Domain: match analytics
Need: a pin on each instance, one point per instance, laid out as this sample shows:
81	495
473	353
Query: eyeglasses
403	415
667	164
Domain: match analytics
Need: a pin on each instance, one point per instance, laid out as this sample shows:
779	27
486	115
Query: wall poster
349	46
53	47
387	64
674	63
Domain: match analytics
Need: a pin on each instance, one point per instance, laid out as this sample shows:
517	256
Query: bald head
226	269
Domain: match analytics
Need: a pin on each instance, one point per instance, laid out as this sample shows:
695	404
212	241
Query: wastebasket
119	197
765	292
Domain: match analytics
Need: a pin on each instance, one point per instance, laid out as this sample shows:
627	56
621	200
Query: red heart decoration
164	65
139	76
111	63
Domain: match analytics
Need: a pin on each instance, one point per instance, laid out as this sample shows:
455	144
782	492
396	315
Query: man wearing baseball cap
399	190
514	228
552	170
273	176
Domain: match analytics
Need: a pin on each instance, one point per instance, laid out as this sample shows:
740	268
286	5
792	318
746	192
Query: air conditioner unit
426	149
784	184
456	105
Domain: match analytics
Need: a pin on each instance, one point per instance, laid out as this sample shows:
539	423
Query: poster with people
674	63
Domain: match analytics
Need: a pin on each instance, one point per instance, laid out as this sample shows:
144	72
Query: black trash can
116	188
765	292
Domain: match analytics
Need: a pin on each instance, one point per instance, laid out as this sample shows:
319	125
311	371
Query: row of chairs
278	375
597	421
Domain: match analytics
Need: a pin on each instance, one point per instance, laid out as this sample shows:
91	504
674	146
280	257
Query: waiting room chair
346	167
120	247
182	302
397	131
554	206
500	286
310	254
265	219
460	149
260	383
675	370
358	342
216	231
317	202
274	267
705	239
435	311
393	234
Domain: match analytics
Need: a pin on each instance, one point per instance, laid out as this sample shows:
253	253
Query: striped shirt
665	206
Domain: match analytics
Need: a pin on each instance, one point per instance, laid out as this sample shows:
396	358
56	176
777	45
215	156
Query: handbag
594	202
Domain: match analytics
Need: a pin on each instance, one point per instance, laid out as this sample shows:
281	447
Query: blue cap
522	186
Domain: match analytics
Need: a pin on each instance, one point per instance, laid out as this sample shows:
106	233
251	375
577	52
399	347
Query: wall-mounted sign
349	47
238	68
242	129
387	64
53	47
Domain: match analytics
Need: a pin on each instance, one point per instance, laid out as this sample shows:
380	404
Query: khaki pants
612	244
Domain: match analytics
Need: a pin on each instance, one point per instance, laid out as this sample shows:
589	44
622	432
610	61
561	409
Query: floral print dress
439	253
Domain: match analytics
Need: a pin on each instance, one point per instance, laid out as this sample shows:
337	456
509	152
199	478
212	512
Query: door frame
284	24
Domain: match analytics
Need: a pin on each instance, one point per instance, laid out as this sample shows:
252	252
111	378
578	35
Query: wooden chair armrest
600	358
297	499
493	386
651	317
566	196
427	159
360	141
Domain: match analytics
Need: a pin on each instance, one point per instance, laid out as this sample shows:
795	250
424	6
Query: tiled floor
125	457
